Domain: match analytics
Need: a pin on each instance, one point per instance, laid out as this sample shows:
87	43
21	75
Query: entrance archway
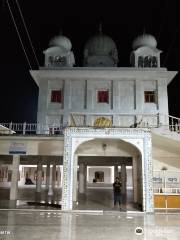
138	138
95	165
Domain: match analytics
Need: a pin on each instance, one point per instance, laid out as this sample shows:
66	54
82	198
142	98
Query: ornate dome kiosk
145	52
59	53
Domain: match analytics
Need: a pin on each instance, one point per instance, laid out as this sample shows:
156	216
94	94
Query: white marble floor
53	225
96	198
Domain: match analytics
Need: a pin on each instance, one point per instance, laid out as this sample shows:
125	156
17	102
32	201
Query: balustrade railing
95	120
31	129
174	124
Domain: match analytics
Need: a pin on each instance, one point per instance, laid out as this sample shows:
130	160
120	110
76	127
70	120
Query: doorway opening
96	175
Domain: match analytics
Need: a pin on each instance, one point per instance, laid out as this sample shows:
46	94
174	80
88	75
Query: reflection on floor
31	225
101	198
97	197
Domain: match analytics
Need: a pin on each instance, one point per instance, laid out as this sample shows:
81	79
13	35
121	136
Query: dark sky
44	19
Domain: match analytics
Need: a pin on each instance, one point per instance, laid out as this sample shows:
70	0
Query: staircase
171	131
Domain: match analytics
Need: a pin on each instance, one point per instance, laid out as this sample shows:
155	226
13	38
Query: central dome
100	45
100	51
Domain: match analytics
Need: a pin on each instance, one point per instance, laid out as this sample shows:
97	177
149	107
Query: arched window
51	60
147	61
58	60
154	61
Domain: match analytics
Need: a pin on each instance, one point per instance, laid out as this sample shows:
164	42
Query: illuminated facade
115	122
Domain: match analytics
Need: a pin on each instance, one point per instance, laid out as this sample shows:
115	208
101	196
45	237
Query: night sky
79	21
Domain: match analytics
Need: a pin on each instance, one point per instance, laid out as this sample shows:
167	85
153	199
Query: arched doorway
137	139
97	171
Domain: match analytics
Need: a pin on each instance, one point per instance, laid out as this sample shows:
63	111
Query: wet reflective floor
48	225
96	198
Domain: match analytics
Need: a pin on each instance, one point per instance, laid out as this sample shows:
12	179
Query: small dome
144	40
56	50
100	45
61	41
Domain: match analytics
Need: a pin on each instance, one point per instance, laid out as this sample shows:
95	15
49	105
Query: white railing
88	120
31	128
114	120
128	120
174	124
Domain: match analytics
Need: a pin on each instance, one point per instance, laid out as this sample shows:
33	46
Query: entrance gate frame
138	137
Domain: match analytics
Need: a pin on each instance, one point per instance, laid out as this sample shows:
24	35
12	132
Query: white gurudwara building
97	122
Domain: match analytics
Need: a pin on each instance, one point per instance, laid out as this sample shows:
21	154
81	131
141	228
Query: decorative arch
140	138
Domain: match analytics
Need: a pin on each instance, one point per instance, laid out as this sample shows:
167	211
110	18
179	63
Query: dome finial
100	27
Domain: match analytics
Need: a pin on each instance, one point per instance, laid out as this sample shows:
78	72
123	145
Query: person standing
117	191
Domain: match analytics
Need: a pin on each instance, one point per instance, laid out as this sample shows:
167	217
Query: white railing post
53	129
24	128
176	127
10	127
158	120
38	130
171	124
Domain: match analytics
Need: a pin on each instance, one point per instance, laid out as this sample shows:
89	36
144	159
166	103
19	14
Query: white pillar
135	183
39	177
15	177
62	170
123	178
47	176
50	191
82	178
54	176
75	178
116	171
85	177
58	177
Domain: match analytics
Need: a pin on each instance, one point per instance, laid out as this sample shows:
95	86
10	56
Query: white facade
113	118
79	86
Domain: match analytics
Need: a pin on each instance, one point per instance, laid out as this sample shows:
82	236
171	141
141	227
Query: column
139	96
39	177
47	176
85	178
50	191
123	179
135	183
15	177
54	176
67	101
82	178
115	106
162	104
116	174
58	176
75	178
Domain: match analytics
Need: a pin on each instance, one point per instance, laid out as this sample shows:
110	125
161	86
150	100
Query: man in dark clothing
117	191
